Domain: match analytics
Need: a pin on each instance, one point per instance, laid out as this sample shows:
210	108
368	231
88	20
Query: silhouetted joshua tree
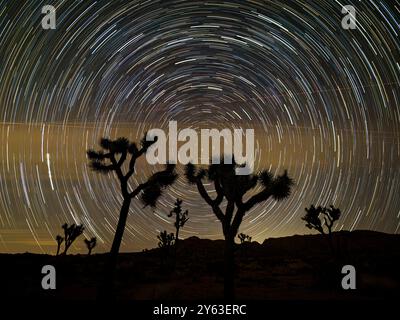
244	238
59	240
232	188
166	240
70	234
319	217
180	218
112	157
90	244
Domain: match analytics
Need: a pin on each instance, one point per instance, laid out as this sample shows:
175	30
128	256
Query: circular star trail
323	101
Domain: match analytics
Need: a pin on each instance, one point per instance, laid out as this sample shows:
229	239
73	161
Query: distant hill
287	268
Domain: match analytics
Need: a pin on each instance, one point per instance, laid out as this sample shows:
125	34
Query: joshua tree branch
137	154
122	159
239	203
132	162
259	197
131	167
139	188
229	211
97	155
219	214
204	194
215	205
329	223
117	167
220	193
102	167
237	220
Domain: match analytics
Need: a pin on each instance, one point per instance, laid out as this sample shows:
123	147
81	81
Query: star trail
324	103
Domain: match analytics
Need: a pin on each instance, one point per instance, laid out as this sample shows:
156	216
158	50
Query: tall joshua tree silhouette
319	217
112	157
70	234
180	218
90	244
59	240
232	188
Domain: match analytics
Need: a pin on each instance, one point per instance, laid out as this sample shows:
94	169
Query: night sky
324	103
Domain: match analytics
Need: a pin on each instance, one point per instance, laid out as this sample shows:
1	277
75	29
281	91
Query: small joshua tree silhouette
332	215
319	217
244	238
329	216
180	217
90	244
312	218
70	234
59	240
166	240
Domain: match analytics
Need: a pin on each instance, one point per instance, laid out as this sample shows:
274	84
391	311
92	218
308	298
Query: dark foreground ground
290	268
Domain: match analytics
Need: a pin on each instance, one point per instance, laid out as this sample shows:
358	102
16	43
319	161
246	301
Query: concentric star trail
324	102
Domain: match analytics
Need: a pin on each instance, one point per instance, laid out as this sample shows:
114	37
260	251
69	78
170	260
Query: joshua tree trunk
65	250
229	267
119	232
90	251
177	236
111	263
58	249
